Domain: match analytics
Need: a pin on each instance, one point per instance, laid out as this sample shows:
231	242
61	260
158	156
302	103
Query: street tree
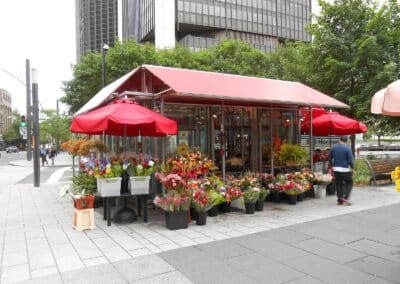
54	128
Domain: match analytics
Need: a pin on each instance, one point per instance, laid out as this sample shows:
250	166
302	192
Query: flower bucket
193	214
300	197
177	220
292	199
201	218
276	196
225	207
250	208
320	191
260	205
84	202
109	186
213	211
139	185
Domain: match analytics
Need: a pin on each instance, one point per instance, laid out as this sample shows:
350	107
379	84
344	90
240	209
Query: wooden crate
83	219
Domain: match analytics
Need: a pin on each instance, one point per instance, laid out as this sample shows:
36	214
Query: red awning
192	85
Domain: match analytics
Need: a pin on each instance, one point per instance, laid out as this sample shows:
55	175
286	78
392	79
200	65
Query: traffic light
23	121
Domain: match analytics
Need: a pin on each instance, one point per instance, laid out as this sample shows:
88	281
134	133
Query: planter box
84	202
177	220
139	185
320	191
109	186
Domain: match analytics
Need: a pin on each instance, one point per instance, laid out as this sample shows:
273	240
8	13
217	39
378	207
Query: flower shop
237	141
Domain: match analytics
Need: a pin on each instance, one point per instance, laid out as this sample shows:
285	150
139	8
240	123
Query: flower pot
213	212
177	220
84	202
139	185
300	197
225	207
292	199
260	205
193	214
201	218
250	208
109	186
276	196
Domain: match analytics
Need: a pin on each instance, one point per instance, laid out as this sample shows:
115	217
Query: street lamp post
28	112
35	120
103	64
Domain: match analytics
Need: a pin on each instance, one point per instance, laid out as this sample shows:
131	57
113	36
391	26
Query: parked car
12	149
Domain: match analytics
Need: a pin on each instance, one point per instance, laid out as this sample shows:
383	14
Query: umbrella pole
124	141
311	137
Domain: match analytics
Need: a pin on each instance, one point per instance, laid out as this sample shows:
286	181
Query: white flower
124	166
108	166
139	167
151	163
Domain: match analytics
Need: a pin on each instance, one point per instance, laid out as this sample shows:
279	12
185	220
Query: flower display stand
139	185
109	186
83	219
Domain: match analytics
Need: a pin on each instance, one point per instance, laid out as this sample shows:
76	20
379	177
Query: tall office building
5	115
96	25
203	23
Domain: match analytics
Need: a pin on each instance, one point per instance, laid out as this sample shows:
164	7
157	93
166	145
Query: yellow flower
182	149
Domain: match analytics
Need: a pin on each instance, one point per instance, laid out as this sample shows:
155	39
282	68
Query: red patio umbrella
334	123
124	118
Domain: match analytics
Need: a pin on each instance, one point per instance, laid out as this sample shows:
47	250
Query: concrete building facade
5	114
96	25
201	24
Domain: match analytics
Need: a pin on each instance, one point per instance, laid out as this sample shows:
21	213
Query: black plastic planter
201	218
260	205
213	212
292	199
276	196
225	207
300	197
177	220
193	214
250	208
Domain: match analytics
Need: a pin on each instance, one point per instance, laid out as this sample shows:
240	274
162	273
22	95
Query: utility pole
28	112
57	138
36	140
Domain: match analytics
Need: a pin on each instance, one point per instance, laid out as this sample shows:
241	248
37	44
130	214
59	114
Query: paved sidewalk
37	239
61	160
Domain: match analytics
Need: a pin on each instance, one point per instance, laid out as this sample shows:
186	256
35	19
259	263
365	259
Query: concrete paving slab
285	236
201	268
330	251
270	248
53	279
305	280
377	249
327	270
143	267
263	269
224	250
382	268
173	277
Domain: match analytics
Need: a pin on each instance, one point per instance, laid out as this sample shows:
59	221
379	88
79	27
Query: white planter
109	186
320	191
139	184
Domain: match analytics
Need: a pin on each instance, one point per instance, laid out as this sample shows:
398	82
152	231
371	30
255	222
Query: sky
44	32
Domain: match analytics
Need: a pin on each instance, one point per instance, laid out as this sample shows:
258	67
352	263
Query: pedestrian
52	154
43	156
342	162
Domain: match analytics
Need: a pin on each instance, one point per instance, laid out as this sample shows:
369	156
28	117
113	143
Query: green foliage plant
263	193
251	195
362	173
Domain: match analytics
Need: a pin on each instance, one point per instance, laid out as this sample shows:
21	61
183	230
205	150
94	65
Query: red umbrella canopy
124	118
334	123
316	111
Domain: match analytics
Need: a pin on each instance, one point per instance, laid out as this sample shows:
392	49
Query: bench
381	171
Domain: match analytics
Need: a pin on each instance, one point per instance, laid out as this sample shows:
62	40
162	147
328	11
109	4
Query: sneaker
340	202
346	202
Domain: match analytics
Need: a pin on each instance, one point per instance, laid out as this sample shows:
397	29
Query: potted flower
108	174
81	190
260	202
176	209
320	182
139	172
231	193
201	203
290	187
250	197
175	202
216	198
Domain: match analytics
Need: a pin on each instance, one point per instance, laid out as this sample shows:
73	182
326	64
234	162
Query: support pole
36	153
28	112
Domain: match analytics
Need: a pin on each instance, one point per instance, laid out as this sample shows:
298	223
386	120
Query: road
6	158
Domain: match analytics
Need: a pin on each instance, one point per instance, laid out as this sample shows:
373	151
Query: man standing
342	162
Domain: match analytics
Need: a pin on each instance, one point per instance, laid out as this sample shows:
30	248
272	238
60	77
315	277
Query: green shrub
362	172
